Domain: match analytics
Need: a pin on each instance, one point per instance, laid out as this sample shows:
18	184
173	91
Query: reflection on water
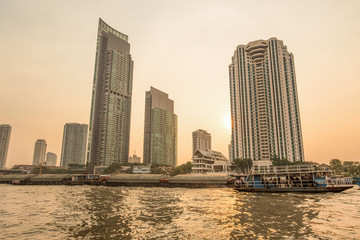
90	212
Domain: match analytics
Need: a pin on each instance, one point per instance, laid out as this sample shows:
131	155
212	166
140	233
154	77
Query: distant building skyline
61	63
51	159
73	149
264	102
109	131
201	140
5	133
160	129
39	152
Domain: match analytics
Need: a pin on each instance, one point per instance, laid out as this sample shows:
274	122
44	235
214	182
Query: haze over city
183	48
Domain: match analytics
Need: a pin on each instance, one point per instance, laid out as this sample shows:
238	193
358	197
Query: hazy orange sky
182	48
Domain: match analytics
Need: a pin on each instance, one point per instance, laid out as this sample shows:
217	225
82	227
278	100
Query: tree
241	164
277	161
182	169
336	166
178	170
113	168
351	168
76	165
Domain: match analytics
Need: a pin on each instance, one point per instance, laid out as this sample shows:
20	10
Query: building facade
73	149
5	132
160	129
201	140
230	153
51	159
134	159
39	152
209	161
109	131
264	102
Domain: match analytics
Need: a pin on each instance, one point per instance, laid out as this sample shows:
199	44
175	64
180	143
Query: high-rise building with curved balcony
264	102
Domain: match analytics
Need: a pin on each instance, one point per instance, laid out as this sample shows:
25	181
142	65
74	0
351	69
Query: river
98	212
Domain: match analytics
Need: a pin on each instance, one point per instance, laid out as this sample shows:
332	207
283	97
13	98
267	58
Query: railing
290	183
285	169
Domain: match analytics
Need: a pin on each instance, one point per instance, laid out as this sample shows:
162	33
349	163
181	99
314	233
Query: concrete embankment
150	180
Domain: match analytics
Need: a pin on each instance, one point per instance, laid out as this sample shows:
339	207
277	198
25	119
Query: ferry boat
294	178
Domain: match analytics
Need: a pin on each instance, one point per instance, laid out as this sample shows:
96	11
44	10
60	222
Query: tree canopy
182	169
242	164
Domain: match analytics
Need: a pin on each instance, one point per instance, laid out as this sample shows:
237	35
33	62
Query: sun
227	122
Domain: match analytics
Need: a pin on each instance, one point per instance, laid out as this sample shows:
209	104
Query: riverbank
141	180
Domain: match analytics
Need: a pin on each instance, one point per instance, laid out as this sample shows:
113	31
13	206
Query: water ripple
94	212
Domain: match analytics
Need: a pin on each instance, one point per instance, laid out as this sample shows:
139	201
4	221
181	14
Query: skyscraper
264	102
5	131
160	130
201	140
73	149
51	159
109	130
39	152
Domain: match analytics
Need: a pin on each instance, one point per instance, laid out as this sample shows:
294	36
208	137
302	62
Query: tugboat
264	177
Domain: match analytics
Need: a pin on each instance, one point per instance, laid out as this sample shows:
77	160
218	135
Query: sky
47	57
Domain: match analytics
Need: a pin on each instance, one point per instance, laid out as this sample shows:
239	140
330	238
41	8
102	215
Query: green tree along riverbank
348	168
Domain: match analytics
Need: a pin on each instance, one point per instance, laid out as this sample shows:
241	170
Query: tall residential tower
201	140
73	149
51	159
5	131
264	102
39	152
109	130
160	129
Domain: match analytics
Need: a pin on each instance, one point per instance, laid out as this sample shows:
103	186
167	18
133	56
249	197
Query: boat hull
301	190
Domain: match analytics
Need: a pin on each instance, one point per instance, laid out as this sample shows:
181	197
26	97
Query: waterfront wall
153	180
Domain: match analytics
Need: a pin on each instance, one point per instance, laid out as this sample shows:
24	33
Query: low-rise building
324	167
209	161
141	169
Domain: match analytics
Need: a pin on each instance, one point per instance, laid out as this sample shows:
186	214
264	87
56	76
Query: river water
98	212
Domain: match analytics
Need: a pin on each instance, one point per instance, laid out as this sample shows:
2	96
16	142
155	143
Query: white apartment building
264	102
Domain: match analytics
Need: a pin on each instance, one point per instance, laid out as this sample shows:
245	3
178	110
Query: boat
293	178
357	180
89	179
